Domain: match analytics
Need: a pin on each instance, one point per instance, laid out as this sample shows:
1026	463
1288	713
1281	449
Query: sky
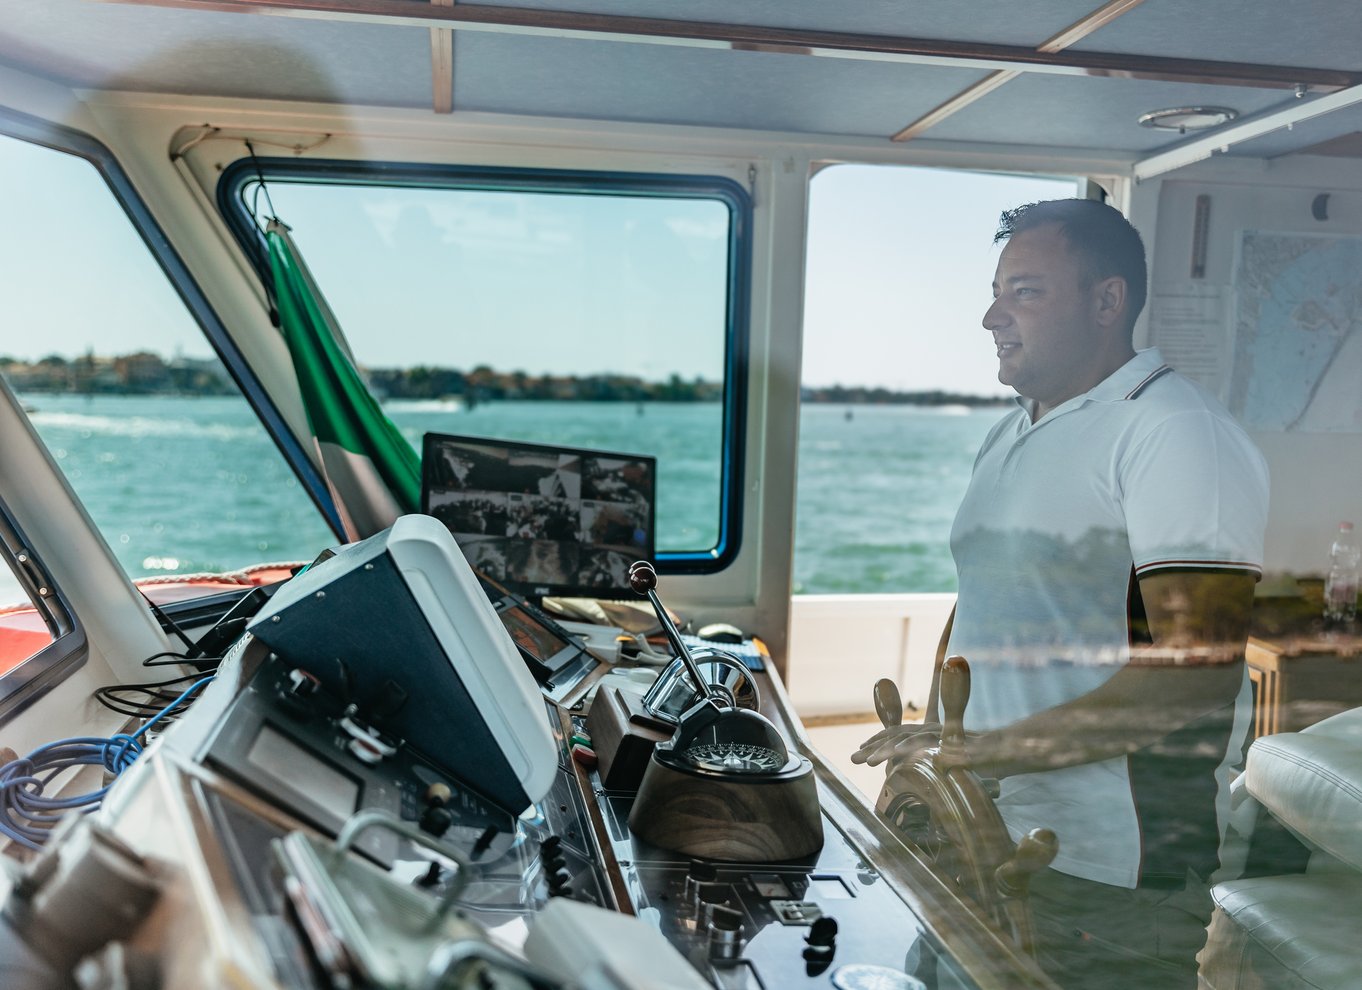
899	266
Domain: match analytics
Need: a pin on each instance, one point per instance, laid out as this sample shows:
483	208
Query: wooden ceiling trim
1071	35
442	65
709	34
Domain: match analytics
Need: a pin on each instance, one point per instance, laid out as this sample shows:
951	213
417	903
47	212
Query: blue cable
26	816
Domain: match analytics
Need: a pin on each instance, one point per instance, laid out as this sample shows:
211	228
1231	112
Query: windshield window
122	386
596	313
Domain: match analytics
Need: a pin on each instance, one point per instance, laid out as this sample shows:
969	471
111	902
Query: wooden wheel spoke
946	814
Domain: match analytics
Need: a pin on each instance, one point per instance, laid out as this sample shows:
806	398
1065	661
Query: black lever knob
823	932
820	947
436	820
642	577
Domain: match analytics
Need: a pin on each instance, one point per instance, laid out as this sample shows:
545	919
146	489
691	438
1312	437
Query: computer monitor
542	520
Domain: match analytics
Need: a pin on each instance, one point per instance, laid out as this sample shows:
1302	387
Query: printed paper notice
1189	325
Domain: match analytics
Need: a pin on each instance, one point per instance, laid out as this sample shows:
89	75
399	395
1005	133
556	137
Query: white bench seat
1300	931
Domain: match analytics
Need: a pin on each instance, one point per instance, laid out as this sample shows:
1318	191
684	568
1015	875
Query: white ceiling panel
200	52
1089	112
767	91
1323	34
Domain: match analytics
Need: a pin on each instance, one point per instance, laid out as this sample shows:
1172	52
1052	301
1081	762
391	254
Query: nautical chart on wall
1297	333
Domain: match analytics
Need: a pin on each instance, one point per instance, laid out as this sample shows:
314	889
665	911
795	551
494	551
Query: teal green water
180	484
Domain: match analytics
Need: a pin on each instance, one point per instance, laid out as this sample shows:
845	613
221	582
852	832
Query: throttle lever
643	579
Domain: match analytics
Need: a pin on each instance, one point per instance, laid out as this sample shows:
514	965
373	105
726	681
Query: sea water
188	484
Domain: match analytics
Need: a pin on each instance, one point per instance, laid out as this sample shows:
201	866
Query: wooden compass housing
746	818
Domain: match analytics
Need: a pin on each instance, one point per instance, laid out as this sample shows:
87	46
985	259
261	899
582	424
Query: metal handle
643	579
372	818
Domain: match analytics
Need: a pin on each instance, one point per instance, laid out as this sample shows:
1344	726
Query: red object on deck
23	631
22	634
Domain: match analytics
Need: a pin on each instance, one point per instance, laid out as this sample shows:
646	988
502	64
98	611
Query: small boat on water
311	785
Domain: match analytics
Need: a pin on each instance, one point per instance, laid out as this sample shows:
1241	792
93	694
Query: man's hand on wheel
897	741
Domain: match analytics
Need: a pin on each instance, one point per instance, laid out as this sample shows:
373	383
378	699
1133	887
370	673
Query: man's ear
1109	296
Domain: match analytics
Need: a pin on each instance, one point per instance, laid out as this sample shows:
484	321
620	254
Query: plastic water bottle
1340	587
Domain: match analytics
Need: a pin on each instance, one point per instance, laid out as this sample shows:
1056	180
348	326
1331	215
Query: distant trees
484	383
145	373
139	373
868	396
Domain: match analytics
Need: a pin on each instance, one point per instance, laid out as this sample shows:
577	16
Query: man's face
1042	318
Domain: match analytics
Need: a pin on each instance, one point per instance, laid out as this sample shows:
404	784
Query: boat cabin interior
308	302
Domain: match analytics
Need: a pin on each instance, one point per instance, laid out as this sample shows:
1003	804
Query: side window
900	380
125	390
40	641
24	631
600	312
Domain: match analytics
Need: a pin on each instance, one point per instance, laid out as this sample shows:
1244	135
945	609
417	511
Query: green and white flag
372	471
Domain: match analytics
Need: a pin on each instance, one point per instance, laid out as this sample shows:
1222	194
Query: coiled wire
27	814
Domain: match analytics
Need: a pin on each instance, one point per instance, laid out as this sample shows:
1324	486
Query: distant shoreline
144	373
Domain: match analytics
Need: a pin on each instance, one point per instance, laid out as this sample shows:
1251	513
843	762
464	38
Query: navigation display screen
542	520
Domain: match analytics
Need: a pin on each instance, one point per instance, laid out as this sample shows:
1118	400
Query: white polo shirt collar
1126	383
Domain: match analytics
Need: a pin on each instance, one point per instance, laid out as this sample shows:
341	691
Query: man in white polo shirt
1113	524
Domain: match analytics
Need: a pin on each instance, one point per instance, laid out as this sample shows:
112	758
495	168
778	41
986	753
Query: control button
560	880
709	897
436	820
700	871
820	946
584	755
366	743
822	933
484	841
438	793
725	933
796	912
296	692
302	683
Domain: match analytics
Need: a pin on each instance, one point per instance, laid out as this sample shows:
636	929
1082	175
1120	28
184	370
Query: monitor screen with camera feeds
542	520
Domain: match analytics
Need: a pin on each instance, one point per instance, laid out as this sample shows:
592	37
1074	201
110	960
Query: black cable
169	624
260	176
122	698
155	660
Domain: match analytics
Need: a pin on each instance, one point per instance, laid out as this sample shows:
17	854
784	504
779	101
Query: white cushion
1311	781
1344	725
1287	933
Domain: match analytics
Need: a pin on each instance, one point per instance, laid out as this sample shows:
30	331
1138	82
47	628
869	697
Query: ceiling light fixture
1184	119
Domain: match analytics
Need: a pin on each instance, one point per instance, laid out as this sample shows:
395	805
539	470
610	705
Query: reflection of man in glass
1107	549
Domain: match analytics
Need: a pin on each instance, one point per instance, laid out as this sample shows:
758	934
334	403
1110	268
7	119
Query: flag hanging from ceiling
373	473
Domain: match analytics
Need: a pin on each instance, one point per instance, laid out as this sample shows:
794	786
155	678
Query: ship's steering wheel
946	813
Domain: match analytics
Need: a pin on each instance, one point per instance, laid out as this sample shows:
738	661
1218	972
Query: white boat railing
840	645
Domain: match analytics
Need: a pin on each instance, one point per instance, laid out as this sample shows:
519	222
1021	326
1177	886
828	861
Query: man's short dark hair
1099	236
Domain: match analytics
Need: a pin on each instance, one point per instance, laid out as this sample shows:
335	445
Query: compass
725	785
734	758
